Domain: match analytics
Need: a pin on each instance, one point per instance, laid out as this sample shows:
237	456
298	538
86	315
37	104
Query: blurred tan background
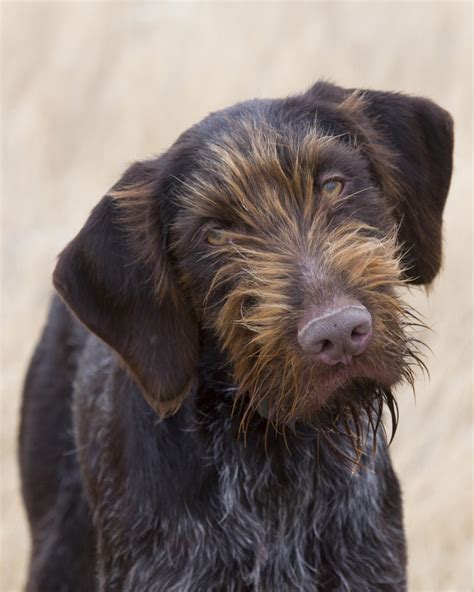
89	87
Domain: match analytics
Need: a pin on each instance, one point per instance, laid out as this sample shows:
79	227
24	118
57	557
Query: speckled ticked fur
175	437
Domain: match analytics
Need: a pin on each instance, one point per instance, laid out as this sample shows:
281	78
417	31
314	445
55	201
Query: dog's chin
326	391
339	387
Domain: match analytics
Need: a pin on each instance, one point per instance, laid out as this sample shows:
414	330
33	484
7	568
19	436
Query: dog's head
283	229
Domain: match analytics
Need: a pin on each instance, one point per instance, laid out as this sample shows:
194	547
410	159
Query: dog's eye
332	188
217	237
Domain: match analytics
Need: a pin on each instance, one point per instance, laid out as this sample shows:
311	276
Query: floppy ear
117	278
421	135
409	141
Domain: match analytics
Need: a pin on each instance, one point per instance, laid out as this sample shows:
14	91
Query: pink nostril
337	335
326	345
360	333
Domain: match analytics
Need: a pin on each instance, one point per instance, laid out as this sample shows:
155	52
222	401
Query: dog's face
284	229
287	247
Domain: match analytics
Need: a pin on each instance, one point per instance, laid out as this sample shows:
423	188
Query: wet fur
192	446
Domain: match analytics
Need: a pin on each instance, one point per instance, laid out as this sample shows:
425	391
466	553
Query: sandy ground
89	87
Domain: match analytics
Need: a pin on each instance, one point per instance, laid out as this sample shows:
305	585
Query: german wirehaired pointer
202	412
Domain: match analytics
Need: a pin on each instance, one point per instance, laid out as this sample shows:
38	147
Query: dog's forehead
251	157
262	131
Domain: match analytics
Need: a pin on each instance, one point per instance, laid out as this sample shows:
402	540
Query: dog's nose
335	336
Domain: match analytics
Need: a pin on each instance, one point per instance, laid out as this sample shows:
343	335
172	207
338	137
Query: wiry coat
181	441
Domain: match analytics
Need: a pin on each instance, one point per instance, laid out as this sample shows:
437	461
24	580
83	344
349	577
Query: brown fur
355	258
201	271
289	248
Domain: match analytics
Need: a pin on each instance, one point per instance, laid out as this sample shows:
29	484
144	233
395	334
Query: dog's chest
194	513
260	528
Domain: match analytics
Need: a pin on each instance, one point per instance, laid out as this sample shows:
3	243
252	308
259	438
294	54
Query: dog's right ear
118	280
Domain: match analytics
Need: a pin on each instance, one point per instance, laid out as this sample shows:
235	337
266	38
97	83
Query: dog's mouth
325	386
342	382
368	366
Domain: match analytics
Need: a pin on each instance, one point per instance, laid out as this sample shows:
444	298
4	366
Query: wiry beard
353	419
289	249
254	324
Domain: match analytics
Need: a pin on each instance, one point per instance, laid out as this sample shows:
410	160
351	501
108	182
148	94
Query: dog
204	410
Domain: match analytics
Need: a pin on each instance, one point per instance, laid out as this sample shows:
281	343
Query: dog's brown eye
217	237
332	188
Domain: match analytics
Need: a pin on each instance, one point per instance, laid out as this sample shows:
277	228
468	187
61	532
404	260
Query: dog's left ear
420	135
409	142
117	277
